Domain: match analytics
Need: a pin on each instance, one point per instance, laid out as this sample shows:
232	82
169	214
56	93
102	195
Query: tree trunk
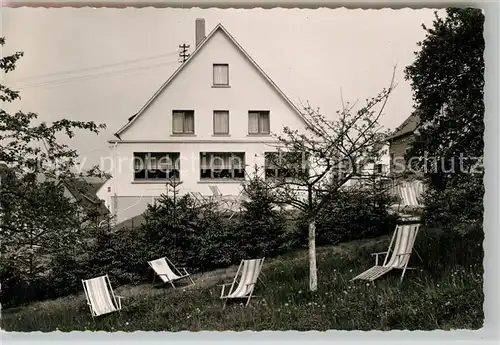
313	273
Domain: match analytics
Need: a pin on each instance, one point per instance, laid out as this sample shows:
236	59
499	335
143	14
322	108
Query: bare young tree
307	168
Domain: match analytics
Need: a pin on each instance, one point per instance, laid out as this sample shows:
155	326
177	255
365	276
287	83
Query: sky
104	64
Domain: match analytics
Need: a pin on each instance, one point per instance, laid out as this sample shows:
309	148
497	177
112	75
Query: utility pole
183	54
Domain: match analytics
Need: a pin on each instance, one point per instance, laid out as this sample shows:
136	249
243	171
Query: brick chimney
199	31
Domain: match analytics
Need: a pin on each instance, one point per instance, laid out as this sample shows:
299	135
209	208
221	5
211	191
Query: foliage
219	243
451	284
447	79
22	143
38	222
261	226
121	255
460	206
355	213
171	229
313	164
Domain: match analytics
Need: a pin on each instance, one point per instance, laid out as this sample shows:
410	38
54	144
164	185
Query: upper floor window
258	122
221	122
183	122
221	74
156	165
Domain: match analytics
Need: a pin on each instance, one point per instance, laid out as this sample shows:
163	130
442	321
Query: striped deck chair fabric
215	191
410	193
100	296
248	274
402	243
164	268
199	198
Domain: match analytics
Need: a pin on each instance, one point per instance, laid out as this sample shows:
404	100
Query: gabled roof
135	221
221	28
81	188
407	127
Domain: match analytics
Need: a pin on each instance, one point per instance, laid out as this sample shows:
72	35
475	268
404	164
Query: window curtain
220	161
221	122
236	162
221	75
264	123
178	122
189	123
253	122
139	162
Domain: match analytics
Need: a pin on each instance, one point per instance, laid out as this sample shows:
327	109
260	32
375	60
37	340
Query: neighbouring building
209	124
83	191
400	141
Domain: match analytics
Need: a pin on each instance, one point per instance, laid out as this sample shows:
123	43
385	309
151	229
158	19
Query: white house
208	124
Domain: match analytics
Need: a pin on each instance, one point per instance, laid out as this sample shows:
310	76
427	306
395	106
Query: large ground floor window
222	165
284	164
156	165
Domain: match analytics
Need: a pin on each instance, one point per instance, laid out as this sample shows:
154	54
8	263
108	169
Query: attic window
221	75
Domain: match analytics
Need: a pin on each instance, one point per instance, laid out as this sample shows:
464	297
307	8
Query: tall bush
172	226
354	213
459	205
261	230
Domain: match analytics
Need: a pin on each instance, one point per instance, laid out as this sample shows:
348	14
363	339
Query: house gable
190	88
406	128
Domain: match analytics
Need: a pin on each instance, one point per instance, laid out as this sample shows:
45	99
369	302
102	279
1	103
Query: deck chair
200	199
248	274
162	268
402	246
100	296
236	204
410	193
215	191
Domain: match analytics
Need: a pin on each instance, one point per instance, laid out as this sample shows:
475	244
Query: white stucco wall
192	89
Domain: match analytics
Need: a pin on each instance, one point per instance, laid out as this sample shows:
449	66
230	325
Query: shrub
353	213
261	230
120	254
218	242
67	271
172	228
460	203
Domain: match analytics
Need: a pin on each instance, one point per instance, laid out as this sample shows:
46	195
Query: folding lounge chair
402	245
215	191
200	199
410	193
162	268
249	270
100	297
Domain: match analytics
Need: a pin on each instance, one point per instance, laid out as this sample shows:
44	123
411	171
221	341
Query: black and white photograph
189	169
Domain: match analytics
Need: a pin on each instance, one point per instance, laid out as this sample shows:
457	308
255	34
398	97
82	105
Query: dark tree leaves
447	79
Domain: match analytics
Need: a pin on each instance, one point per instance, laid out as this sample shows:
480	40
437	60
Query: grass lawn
443	292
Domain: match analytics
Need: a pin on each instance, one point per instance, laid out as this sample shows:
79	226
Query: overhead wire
92	76
42	76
